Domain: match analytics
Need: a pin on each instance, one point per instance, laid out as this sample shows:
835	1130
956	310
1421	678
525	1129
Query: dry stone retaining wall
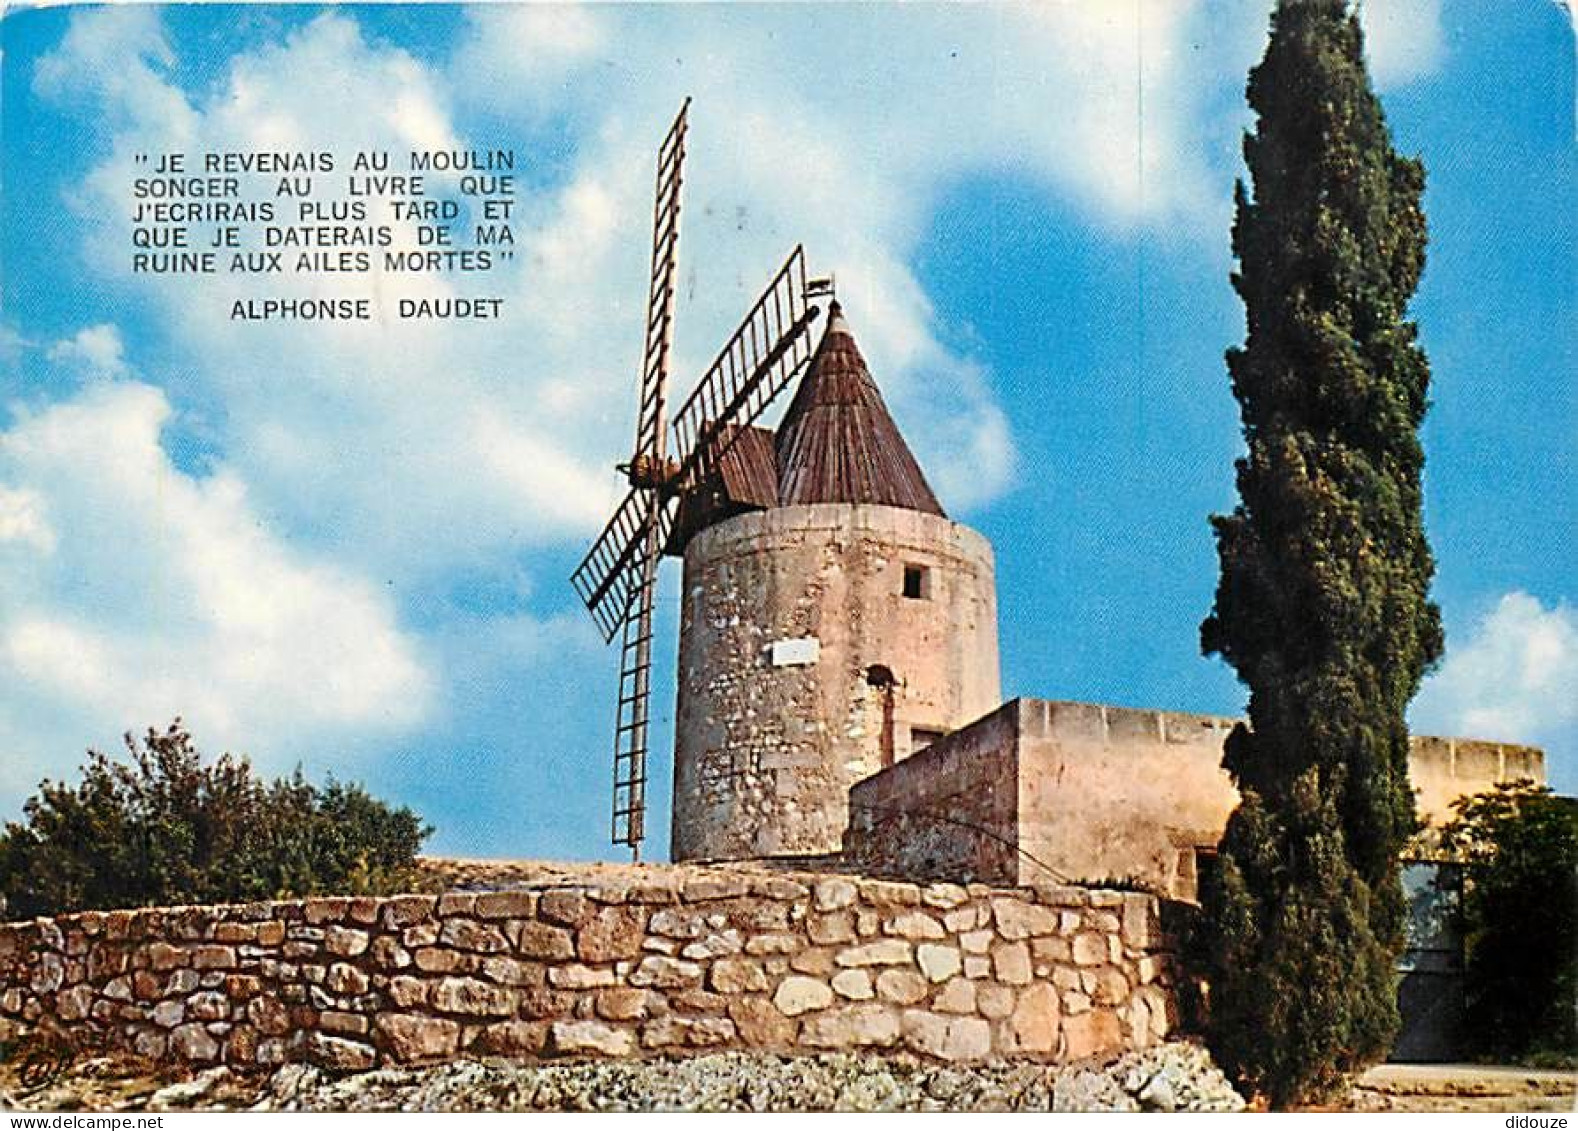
662	961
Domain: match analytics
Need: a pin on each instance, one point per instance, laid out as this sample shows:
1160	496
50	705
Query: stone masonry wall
786	615
950	812
653	960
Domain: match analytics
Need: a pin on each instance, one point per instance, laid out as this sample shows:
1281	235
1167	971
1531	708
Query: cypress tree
1322	606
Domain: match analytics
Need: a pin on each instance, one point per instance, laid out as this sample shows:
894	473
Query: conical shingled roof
837	443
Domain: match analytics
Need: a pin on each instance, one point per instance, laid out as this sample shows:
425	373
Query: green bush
168	829
1519	847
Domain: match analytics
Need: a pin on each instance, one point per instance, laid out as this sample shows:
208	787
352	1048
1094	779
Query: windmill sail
660	293
770	347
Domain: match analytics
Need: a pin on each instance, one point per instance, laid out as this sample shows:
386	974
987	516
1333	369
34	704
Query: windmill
618	576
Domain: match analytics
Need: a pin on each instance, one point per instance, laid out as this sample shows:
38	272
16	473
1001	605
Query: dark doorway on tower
881	677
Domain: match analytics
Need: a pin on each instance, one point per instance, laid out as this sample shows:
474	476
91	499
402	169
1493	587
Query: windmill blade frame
659	340
766	351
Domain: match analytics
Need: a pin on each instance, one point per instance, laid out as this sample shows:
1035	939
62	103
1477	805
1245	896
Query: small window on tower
917	582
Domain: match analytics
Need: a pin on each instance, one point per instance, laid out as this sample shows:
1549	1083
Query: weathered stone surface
713	946
760	1025
938	963
947	1038
665	973
1019	920
338	1021
320	911
943	896
976	942
797	995
1011	962
956	996
590	1037
567	908
856	1026
169	1014
817	961
1034	1025
1090	1033
542	1003
471	996
578	977
437	960
512	971
424	933
700	889
993	1000
854	984
612	933
161	956
469	934
346	942
694	1032
207	1006
1112	988
914	925
538	940
192	1042
404	910
512	1038
413	1037
886	893
268	1015
677	923
1089	949
343	978
736	976
883	952
239	987
506	905
623	1004
73	1004
235	932
833	927
832	894
902	987
773	944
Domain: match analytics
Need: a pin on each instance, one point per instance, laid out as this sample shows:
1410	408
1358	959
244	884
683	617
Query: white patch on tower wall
794	653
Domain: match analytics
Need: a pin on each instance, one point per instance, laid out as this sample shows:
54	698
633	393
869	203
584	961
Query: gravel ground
1173	1077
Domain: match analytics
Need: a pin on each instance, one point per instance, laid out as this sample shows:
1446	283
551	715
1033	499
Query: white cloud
23	520
1403	39
96	351
152	593
1512	677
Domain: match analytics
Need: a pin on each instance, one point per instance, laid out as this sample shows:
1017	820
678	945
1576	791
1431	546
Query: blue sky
347	547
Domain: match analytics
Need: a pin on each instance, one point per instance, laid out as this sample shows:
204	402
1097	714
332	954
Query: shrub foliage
1519	847
1322	603
166	828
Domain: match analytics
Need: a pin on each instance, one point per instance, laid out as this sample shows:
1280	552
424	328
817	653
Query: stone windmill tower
833	620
